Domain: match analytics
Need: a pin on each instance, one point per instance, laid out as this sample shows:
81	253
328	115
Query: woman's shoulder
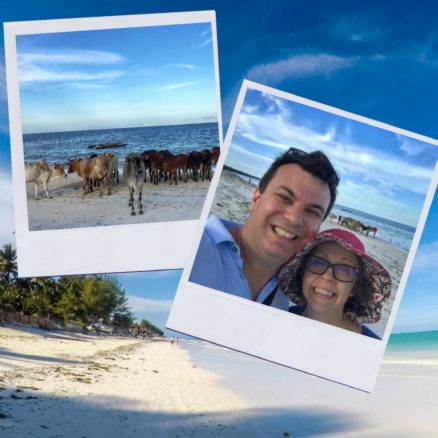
298	310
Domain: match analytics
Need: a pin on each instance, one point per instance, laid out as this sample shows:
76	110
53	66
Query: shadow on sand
96	417
8	354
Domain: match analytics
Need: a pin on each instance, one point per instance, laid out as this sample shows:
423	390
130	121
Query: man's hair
316	163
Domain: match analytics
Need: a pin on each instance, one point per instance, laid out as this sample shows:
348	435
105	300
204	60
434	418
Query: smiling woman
333	280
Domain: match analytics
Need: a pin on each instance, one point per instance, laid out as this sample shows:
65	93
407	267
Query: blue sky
151	294
382	173
378	60
116	78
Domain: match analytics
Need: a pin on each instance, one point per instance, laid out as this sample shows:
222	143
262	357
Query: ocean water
58	147
414	342
395	233
392	232
405	349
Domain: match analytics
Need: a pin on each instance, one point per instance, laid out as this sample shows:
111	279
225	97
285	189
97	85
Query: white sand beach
68	385
55	384
286	402
232	201
69	208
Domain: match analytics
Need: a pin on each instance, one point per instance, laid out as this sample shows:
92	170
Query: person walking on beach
292	199
333	280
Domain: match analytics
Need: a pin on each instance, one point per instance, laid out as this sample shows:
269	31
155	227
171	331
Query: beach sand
232	199
69	208
68	385
55	384
403	403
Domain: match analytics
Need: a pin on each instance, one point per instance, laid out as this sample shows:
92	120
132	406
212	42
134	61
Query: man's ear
255	197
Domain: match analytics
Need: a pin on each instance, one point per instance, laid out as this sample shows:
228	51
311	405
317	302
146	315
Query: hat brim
378	277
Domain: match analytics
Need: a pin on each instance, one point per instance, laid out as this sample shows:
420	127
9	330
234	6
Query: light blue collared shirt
219	265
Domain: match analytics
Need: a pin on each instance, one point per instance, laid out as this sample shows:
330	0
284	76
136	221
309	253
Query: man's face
286	215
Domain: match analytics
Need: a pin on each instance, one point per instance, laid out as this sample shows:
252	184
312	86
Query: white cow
42	173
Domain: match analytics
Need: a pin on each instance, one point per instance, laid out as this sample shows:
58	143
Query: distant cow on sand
133	173
95	168
371	229
42	173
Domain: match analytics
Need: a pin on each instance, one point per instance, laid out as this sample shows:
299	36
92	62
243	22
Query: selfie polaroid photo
97	107
337	329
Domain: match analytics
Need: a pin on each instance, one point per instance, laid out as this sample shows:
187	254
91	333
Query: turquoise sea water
413	342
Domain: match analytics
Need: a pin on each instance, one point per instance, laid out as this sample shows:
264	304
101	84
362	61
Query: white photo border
275	335
139	247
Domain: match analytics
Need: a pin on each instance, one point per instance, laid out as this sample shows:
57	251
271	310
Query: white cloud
410	146
186	66
74	57
140	305
205	32
384	201
281	131
56	66
426	258
299	66
38	74
173	86
204	43
249	154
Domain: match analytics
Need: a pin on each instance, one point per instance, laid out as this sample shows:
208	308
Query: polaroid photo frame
387	178
123	84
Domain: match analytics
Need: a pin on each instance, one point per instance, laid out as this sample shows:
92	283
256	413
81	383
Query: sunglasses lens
316	265
341	272
344	273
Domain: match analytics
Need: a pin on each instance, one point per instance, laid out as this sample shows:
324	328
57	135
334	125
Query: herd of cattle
102	170
356	225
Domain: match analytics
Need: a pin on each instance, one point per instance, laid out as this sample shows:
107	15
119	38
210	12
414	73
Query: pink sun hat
361	309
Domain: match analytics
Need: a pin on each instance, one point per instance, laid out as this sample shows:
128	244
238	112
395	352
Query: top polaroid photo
310	229
115	125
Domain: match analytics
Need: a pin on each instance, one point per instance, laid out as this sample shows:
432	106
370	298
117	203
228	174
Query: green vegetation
150	328
84	300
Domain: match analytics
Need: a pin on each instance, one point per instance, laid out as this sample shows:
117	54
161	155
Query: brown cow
195	164
95	168
174	164
215	153
371	229
42	173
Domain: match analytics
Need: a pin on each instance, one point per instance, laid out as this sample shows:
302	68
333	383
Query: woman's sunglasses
318	265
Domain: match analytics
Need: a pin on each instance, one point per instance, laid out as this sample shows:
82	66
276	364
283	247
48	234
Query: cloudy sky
378	60
117	78
382	172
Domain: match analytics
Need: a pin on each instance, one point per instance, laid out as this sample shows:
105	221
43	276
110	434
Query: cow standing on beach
95	168
134	173
42	173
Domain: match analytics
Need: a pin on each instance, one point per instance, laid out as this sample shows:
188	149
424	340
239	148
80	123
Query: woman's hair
362	289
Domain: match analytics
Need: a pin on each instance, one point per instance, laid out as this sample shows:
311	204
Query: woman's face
323	292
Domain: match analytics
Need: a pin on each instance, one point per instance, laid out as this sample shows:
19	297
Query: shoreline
288	400
69	208
100	386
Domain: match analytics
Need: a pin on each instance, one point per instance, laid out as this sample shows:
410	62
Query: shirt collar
219	229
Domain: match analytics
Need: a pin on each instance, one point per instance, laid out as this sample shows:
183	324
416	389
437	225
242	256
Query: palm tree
8	263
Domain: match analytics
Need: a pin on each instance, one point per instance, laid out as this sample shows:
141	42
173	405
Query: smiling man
293	198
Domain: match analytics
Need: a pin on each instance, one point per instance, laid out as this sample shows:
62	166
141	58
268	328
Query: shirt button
234	249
